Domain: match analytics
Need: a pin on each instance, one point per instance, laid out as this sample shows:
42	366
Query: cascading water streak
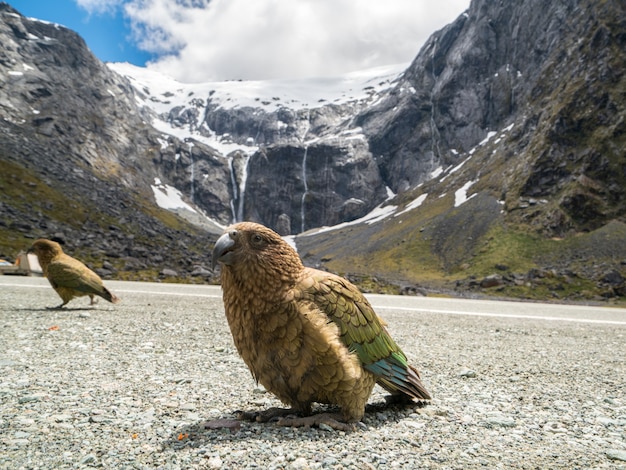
233	183
242	188
306	189
304	182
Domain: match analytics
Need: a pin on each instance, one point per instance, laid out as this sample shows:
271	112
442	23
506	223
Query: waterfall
233	183
192	171
238	182
242	188
306	188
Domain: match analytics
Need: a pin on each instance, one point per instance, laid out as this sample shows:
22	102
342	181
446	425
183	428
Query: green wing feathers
363	332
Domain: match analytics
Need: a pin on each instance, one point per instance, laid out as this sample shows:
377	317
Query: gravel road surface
155	381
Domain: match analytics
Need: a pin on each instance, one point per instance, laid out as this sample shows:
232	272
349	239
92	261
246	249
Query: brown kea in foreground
69	277
306	335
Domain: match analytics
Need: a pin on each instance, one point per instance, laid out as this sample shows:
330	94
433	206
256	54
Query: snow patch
414	204
376	215
436	172
456	168
460	195
168	197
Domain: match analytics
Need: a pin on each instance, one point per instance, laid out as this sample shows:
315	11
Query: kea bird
69	277
306	335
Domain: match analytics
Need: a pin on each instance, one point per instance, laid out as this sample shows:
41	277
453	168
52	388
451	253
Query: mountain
493	162
75	159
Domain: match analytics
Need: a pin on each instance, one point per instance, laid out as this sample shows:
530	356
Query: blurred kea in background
306	335
68	276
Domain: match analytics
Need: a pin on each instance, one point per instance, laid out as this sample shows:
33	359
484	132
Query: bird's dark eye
257	239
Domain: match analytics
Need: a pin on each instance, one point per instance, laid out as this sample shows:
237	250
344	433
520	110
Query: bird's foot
266	415
332	420
57	307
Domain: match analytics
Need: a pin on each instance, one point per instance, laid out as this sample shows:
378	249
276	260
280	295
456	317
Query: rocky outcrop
324	183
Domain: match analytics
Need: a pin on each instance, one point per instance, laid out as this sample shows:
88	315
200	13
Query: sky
196	41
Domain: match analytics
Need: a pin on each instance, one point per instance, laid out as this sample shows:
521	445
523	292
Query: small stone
500	420
60	418
606	421
616	454
19	442
493	280
300	463
466	419
29	399
215	462
554	427
325	427
469	373
88	459
200	271
414	424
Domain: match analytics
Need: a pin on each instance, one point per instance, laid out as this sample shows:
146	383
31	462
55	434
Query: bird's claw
56	307
246	415
271	414
331	420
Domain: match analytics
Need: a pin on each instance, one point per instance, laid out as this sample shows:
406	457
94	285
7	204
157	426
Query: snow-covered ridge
166	93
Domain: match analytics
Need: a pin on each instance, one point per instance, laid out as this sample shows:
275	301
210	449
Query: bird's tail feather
110	296
403	380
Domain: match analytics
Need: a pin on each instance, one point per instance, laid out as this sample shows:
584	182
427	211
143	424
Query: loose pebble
616	454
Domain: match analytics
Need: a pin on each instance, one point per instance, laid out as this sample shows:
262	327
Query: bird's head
254	248
45	247
45	250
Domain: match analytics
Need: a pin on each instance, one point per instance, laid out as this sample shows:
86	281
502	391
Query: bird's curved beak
222	252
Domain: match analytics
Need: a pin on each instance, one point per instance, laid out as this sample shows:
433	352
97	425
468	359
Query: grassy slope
29	203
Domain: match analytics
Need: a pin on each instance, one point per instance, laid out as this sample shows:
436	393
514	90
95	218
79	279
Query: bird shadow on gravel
204	432
54	309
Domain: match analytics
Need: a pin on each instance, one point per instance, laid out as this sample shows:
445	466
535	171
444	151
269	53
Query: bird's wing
71	273
362	331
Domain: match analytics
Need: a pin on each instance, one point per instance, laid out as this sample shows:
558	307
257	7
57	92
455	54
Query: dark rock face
470	78
200	173
321	184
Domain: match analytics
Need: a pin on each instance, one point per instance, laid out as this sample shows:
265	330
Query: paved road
515	385
382	303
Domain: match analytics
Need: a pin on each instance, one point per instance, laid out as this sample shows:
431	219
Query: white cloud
201	40
99	6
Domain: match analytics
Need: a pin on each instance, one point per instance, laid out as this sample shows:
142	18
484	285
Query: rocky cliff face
288	151
497	65
76	158
512	116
